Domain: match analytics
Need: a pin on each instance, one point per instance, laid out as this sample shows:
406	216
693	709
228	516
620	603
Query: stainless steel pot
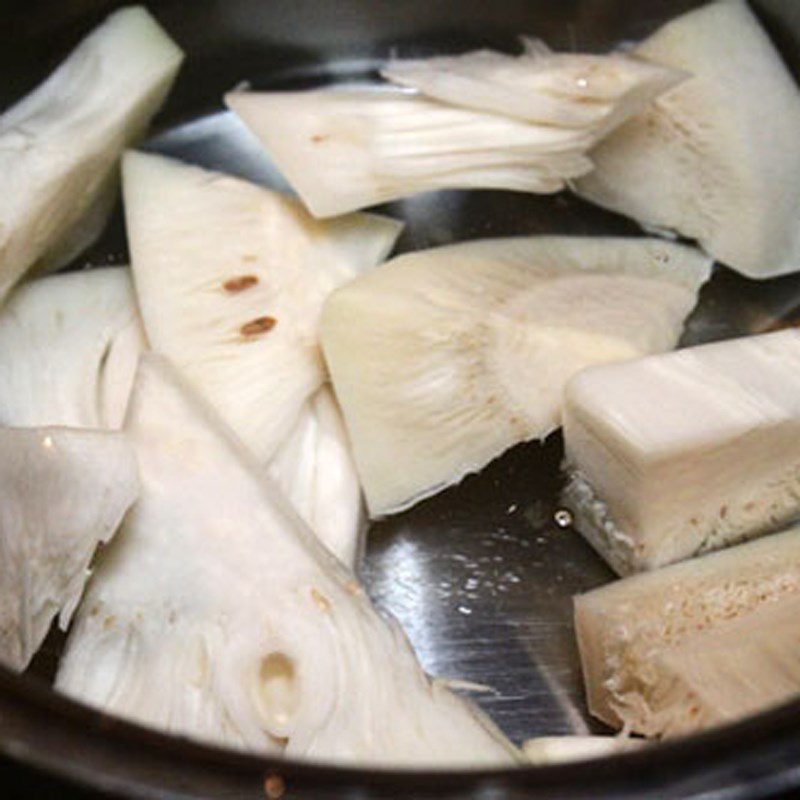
480	576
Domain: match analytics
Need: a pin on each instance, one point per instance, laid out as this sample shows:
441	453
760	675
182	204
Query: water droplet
47	443
563	518
466	610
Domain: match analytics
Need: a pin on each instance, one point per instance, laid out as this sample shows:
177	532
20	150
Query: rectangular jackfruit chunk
717	676
678	454
629	630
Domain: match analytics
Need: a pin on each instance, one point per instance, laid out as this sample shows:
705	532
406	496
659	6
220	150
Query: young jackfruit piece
744	667
69	345
715	159
60	145
63	492
592	92
348	148
314	469
218	615
444	358
685	452
560	749
624	628
231	278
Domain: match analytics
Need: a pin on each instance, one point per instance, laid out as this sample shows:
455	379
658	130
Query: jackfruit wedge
231	278
69	345
314	468
716	158
626	627
347	148
444	358
685	452
60	145
218	615
570	90
63	492
743	667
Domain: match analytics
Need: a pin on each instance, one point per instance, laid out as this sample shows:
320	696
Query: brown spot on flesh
317	138
322	602
258	326
240	283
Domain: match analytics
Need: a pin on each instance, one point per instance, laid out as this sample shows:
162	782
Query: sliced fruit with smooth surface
444	358
314	468
218	615
348	148
231	278
685	452
571	90
69	346
625	627
743	667
62	492
716	158
60	145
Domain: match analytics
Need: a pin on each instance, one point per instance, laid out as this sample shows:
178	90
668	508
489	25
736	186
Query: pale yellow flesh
443	359
744	667
624	627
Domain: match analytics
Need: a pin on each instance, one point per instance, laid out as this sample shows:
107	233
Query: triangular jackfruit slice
218	615
444	358
62	493
716	158
571	90
60	145
348	148
231	278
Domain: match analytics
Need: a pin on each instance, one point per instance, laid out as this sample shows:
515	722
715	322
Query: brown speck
749	506
694	521
317	138
322	602
723	512
352	587
257	326
108	622
274	787
249	258
240	283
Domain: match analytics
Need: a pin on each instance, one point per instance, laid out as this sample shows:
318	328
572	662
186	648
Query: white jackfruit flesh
685	452
569	90
343	149
716	158
545	750
69	346
444	358
60	145
314	469
218	615
63	492
231	278
626	627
